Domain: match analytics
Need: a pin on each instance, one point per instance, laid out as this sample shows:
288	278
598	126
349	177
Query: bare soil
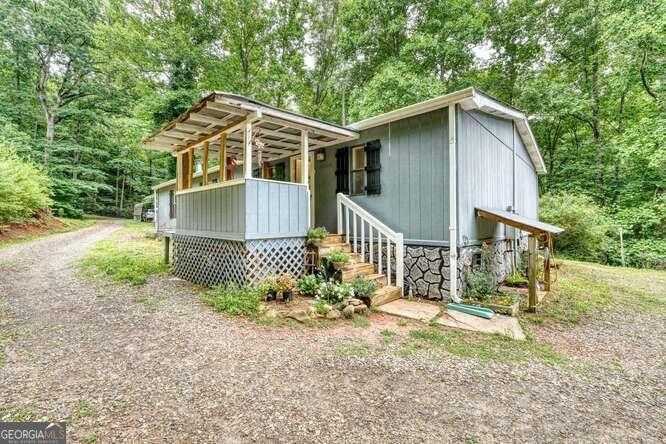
174	370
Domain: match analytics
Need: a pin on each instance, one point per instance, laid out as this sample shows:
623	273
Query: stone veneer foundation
428	274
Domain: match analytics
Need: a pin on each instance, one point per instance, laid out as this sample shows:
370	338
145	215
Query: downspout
453	206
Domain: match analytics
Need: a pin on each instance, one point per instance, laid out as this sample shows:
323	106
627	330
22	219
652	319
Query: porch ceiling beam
217	106
190	127
180	135
169	140
306	127
230	128
200	117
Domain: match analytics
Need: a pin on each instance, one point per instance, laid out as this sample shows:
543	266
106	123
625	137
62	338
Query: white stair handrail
382	231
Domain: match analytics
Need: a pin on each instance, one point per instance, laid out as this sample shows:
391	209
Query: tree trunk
122	197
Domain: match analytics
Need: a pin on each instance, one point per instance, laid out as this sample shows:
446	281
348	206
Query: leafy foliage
24	188
363	287
234	300
333	293
308	285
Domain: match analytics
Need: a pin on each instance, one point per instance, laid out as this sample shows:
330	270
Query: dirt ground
94	353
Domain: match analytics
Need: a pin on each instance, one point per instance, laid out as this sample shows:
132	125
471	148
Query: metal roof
528	224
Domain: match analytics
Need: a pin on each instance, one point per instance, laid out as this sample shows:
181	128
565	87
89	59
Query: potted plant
285	283
316	236
363	287
308	285
338	258
268	288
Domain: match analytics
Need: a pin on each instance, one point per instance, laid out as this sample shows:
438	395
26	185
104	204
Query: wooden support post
305	171
179	171
222	157
167	241
204	166
546	264
190	169
247	150
264	170
532	250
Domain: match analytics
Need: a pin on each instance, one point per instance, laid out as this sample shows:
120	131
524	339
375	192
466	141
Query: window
172	204
358	170
342	170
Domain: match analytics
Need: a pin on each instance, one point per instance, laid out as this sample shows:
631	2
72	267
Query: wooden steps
357	266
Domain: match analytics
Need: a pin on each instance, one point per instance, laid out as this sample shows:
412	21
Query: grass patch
84	409
403	323
16	414
42	230
585	288
484	347
90	438
353	350
387	333
360	321
234	300
129	256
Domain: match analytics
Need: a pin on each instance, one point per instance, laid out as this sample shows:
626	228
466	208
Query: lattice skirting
209	262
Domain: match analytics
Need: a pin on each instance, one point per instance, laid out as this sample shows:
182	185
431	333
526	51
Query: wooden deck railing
378	234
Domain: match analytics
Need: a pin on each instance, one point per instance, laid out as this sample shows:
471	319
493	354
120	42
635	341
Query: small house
417	191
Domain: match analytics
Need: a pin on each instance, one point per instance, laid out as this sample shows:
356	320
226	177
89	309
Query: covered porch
240	223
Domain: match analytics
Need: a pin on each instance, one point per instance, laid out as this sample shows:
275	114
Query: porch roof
534	226
224	113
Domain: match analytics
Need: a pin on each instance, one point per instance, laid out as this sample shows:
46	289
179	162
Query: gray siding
255	209
163	222
217	212
486	146
414	179
275	209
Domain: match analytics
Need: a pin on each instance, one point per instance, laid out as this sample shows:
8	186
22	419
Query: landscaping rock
348	311
298	314
354	301
333	314
271	314
362	308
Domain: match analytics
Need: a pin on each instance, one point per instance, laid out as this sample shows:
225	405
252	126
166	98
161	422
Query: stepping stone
504	325
419	311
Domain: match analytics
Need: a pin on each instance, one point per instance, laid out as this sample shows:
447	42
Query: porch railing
349	214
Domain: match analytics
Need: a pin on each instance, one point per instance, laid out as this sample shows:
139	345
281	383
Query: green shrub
480	281
334	293
315	234
322	307
234	300
308	285
363	287
585	224
24	188
337	256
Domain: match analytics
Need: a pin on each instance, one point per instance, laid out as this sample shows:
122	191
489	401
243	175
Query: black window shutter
373	167
342	170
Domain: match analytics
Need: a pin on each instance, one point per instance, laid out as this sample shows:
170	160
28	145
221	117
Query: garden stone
362	308
333	314
354	301
298	314
348	311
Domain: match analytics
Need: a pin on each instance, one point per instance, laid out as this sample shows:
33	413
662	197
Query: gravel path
180	372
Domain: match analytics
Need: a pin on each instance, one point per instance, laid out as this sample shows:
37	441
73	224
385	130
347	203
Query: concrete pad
419	311
505	325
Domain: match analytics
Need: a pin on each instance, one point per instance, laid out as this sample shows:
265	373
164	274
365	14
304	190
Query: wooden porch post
546	264
264	170
305	169
190	169
222	157
247	150
532	245
204	167
179	171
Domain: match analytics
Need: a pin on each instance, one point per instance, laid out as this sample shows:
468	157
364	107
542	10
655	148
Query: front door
296	177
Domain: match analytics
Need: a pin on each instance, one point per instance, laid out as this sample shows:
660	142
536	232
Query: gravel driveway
93	353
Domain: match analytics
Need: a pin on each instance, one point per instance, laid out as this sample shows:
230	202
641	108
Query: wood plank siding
249	209
414	179
486	146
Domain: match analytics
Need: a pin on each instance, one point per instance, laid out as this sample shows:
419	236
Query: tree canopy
82	81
